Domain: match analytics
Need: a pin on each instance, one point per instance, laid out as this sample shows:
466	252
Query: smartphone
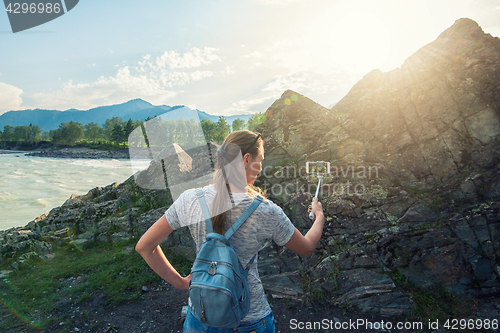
320	168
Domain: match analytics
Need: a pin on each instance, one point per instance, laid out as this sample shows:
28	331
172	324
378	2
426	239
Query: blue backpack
218	289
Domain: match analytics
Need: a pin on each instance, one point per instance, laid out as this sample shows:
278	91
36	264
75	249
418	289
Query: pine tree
128	128
222	129
255	120
238	124
117	134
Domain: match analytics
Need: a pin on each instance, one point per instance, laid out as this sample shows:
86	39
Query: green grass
34	292
102	144
314	294
434	303
419	192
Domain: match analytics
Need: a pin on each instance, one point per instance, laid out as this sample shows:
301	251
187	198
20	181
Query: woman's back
267	222
239	162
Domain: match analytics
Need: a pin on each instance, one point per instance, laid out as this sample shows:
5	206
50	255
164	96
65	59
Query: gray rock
120	237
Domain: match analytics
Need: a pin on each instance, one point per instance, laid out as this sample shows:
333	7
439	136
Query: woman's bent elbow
308	253
139	247
303	246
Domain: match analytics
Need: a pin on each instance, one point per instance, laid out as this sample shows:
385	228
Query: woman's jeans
193	325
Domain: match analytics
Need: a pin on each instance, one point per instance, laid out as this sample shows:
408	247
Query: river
32	186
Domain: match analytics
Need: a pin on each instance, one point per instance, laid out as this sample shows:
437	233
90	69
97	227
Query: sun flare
359	40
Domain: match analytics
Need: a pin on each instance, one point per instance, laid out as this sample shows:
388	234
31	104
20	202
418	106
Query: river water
32	186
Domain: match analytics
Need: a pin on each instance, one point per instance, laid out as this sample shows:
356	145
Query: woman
268	222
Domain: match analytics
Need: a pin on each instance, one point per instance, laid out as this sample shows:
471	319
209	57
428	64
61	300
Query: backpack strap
243	217
208	220
204	208
253	206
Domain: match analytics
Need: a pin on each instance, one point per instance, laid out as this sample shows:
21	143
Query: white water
32	186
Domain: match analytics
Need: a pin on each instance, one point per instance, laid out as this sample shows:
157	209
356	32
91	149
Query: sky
224	57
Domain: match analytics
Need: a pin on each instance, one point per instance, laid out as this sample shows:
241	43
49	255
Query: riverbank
4	152
80	153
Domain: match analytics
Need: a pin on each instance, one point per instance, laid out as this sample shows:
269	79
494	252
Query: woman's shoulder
268	205
193	192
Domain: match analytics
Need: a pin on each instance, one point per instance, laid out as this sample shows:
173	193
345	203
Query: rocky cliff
411	200
434	118
414	183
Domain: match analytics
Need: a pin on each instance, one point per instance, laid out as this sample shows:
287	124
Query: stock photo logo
25	15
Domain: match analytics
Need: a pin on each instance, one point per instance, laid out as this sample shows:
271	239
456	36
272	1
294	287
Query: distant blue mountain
203	115
136	109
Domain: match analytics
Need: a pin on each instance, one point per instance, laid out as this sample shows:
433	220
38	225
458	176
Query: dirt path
159	310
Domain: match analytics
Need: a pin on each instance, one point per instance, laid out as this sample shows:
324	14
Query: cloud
249	106
255	54
293	81
285	64
229	70
194	58
105	91
494	31
10	97
172	79
153	79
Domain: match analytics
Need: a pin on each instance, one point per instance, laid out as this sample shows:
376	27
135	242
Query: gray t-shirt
267	222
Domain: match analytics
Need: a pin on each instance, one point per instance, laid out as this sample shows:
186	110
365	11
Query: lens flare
289	100
14	313
72	241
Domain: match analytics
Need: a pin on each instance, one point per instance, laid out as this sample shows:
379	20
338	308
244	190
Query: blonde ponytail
235	143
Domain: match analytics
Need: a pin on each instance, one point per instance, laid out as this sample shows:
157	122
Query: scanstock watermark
25	15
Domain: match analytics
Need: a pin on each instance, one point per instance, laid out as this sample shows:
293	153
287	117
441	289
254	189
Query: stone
445	266
492	186
184	312
43	248
80	243
284	285
482	269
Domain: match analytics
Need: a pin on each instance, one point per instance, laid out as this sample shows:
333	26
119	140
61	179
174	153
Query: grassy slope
33	294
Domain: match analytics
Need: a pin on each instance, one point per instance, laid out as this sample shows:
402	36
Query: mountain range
136	109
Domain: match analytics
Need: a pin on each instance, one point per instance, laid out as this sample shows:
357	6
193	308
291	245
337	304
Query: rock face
432	119
296	125
414	184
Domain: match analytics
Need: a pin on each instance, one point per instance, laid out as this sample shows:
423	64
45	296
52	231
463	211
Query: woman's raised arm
305	245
